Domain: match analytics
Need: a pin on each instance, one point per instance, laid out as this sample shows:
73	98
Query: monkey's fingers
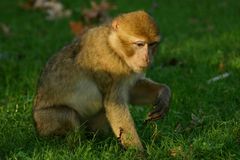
157	114
149	119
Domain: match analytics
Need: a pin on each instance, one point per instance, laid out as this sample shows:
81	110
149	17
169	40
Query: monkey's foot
119	138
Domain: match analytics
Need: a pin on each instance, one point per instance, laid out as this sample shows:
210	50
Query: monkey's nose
147	61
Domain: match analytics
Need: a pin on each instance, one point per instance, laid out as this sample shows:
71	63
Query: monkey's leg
57	120
121	121
148	92
99	123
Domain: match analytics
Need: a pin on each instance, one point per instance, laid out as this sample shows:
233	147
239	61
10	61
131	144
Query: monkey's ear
115	25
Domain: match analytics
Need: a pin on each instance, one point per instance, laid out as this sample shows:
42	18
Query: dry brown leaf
104	5
77	28
98	11
90	14
176	151
53	8
221	66
27	5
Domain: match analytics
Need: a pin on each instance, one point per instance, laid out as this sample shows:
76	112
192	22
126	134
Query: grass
202	37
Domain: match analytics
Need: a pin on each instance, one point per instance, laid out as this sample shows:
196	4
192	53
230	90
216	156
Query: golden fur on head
137	23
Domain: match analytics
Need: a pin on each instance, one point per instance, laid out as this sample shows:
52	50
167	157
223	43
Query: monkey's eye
139	44
153	44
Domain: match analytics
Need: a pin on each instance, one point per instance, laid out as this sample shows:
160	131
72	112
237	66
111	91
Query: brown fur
89	81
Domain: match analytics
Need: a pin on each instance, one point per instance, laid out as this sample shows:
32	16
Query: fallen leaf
77	28
27	5
98	12
221	66
176	151
53	8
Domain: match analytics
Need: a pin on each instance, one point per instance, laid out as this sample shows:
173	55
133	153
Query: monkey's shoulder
103	80
60	65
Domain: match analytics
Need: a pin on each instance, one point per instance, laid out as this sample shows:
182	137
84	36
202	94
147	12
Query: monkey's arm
148	92
120	119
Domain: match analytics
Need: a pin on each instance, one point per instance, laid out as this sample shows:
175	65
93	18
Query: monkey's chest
86	98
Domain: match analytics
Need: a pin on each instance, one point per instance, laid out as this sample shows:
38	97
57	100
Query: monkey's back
57	76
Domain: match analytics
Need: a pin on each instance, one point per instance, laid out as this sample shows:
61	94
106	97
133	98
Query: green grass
204	120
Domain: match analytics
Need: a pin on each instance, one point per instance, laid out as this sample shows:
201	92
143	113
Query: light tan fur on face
91	81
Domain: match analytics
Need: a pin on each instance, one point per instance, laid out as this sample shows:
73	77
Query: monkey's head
135	37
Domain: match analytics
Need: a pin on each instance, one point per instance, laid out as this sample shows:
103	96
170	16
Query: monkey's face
135	37
142	54
137	50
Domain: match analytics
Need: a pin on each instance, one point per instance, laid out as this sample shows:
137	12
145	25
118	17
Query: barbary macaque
91	81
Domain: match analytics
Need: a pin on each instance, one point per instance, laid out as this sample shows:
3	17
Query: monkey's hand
161	105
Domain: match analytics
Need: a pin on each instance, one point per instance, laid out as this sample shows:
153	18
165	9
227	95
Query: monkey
91	81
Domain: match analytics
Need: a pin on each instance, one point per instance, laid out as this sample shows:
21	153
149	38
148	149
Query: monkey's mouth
140	69
143	67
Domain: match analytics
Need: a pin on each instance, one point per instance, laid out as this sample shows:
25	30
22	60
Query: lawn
201	41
